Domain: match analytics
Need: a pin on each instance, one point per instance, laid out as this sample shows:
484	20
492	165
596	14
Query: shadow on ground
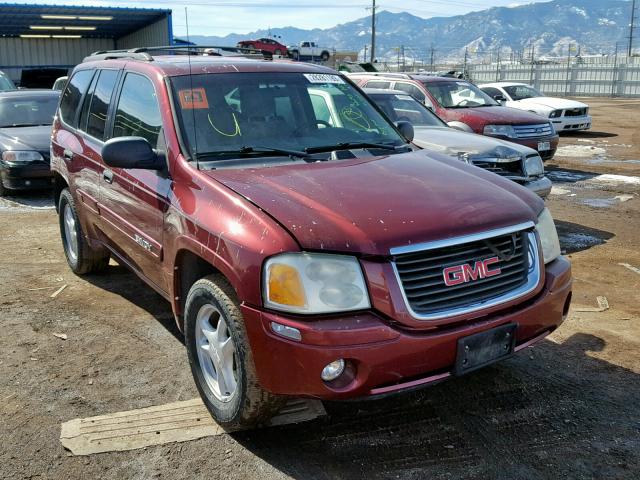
588	134
576	238
536	416
121	281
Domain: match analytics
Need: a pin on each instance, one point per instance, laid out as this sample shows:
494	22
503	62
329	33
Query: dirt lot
567	408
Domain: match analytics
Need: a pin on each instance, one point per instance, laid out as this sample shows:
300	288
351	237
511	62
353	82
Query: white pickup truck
309	50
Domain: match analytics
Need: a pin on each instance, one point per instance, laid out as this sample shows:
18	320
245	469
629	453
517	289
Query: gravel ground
567	408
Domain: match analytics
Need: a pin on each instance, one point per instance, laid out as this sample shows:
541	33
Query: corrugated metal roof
17	19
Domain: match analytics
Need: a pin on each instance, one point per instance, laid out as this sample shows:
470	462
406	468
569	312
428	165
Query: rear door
133	201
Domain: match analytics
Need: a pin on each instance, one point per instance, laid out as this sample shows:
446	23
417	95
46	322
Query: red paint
265	44
235	219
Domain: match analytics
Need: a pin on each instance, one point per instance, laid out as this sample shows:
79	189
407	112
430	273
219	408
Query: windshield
520	92
459	94
406	108
27	112
6	83
232	112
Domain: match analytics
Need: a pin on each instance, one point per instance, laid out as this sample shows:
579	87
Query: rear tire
295	55
277	51
324	56
81	257
221	359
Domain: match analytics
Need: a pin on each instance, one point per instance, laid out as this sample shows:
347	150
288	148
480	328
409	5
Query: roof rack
145	53
383	74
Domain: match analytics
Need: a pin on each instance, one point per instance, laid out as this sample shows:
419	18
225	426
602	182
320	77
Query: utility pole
373	31
464	69
433	52
404	63
631	27
365	53
398	66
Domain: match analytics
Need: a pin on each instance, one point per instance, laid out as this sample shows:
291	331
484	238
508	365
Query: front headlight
503	130
533	166
555	114
314	283
548	236
21	156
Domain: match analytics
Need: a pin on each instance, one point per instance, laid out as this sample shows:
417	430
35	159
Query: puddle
575	241
599	202
566	177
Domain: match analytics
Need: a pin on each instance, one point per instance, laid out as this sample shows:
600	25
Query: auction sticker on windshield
323	78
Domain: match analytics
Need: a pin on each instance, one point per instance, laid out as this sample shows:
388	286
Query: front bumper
383	357
566	124
534	143
540	186
26	177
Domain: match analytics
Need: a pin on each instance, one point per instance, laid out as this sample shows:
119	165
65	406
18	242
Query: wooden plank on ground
173	422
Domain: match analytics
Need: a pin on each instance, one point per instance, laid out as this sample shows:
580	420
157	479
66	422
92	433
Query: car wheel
251	46
221	359
324	56
3	189
81	257
277	51
295	55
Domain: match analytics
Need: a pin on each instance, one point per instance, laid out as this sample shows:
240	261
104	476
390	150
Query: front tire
221	359
81	257
324	56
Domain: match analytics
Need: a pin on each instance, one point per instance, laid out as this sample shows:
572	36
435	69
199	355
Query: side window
72	95
378	84
138	113
84	109
492	92
100	103
412	90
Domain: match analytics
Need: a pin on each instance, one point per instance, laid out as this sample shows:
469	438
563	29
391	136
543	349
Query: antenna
193	110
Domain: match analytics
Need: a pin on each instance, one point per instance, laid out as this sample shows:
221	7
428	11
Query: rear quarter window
76	88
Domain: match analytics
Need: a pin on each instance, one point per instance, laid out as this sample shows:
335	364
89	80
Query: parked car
307	50
516	162
267	44
60	83
6	83
300	259
465	107
566	115
26	117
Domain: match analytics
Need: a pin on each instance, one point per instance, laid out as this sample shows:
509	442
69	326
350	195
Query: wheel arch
59	184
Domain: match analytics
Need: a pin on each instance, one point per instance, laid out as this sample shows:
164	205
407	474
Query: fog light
286	331
332	370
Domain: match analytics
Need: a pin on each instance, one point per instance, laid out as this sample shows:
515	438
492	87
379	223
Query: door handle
67	154
108	176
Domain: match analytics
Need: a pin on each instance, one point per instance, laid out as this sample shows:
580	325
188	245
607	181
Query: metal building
39	43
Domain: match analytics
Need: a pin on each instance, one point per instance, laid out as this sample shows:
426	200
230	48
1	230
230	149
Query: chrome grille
533	131
500	167
421	275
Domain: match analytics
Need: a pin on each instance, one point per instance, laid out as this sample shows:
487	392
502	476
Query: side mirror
131	152
406	130
499	98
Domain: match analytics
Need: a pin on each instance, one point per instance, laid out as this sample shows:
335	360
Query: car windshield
27	112
403	107
6	84
521	92
238	112
459	94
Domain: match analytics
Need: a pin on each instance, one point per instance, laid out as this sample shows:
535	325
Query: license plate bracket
484	348
543	146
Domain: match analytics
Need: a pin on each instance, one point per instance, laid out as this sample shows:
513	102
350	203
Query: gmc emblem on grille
466	273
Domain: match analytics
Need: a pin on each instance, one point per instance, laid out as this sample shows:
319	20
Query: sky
221	17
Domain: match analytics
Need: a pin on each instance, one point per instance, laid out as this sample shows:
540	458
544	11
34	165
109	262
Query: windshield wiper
260	151
17	125
350	145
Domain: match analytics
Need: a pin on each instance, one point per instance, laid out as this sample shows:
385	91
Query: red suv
266	44
464	106
300	258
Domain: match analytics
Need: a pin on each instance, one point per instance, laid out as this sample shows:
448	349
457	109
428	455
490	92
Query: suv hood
552	103
450	141
493	116
370	205
26	138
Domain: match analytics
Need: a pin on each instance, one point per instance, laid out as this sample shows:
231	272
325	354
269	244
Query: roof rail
145	53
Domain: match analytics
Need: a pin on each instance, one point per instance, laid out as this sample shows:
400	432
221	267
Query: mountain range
550	28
